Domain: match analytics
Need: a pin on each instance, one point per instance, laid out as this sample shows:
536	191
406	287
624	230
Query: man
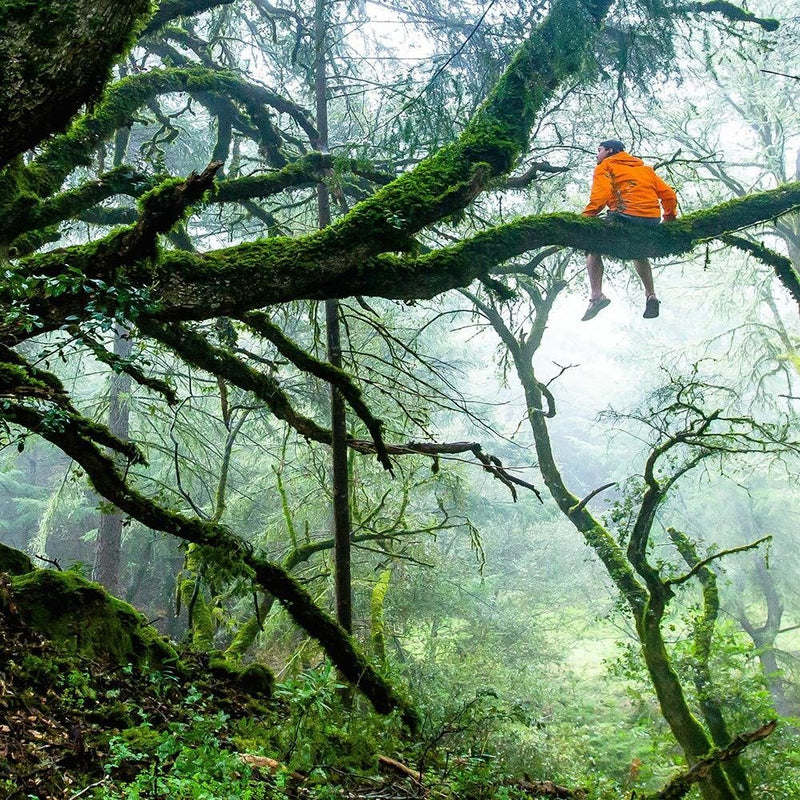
634	195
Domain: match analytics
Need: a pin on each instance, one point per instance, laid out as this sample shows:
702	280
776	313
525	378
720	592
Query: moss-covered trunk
646	597
685	727
702	636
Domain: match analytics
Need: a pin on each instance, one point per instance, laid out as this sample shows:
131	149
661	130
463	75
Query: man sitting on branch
634	195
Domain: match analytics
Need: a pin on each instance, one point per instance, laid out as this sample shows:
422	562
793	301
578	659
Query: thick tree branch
783	267
46	79
169	10
125	97
730	11
321	265
74	202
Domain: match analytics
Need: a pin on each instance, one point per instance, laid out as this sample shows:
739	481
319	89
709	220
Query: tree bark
109	530
340	480
56	57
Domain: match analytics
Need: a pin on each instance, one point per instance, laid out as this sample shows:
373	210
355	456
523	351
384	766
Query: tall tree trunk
109	531
341	488
764	638
702	636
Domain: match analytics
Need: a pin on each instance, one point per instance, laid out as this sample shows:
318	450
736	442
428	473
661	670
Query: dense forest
313	482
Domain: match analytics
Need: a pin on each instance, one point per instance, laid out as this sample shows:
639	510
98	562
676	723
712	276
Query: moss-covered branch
123	99
702	637
782	266
731	12
119	364
306	171
699	566
169	10
280	269
196	350
67	205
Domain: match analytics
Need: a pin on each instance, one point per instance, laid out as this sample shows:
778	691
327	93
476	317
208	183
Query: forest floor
73	727
58	714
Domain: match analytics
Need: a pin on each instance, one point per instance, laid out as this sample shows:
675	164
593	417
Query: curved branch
703	563
124	98
196	350
783	267
582	504
119	364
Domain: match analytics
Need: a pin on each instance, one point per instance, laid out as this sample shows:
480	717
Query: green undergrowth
93	701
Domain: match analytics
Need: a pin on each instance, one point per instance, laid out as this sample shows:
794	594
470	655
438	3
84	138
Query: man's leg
645	273
597	301
594	268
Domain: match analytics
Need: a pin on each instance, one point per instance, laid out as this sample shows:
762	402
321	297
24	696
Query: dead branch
399	767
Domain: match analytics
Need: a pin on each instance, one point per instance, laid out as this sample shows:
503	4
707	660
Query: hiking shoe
651	308
595	307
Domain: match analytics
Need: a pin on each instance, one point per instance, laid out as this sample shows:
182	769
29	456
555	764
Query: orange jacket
623	183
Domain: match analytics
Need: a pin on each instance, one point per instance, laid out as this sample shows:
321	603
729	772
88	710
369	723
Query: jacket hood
624	158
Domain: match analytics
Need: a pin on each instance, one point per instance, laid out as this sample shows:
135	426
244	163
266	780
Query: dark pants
628	219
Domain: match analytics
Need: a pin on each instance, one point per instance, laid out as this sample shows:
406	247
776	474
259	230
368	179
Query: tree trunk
47	78
686	729
341	486
109	531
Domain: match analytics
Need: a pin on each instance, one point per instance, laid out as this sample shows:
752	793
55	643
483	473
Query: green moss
80	614
254	679
13	561
257	679
142	739
112	715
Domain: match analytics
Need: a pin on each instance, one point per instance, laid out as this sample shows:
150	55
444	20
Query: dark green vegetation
172	211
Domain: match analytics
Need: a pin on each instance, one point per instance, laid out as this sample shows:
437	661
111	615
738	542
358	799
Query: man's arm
669	200
601	192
